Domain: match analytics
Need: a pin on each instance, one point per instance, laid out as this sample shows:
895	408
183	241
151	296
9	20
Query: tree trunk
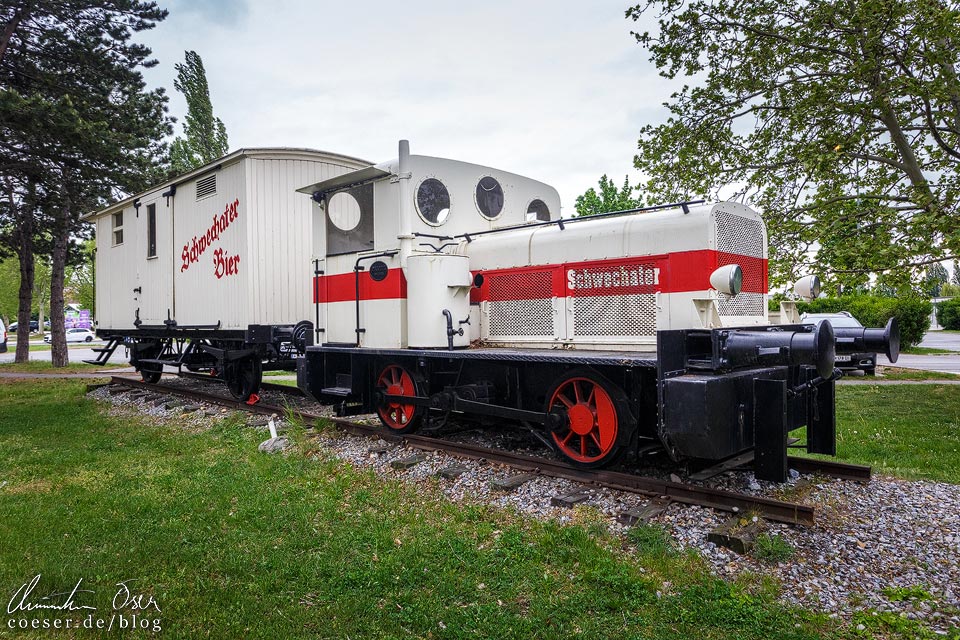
25	256
58	333
23	236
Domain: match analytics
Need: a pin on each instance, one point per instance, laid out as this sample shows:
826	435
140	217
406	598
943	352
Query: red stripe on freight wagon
342	287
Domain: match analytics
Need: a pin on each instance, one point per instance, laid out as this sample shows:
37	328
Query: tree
955	278
609	199
840	120
205	136
936	277
77	126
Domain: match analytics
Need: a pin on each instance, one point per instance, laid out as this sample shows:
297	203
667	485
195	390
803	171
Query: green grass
234	543
897	373
911	431
772	548
928	351
44	366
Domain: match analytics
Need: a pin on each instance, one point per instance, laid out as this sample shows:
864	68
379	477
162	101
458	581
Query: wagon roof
230	158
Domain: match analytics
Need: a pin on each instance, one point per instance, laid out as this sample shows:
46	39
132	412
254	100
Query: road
77	354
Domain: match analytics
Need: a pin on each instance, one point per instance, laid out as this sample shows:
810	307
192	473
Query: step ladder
104	352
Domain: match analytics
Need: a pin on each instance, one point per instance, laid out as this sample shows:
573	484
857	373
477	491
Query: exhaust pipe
815	347
859	339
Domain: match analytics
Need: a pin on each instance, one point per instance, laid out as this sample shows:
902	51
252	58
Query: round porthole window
433	201
538	210
344	211
489	197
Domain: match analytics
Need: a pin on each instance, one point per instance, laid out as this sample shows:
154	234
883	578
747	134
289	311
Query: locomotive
424	289
450	289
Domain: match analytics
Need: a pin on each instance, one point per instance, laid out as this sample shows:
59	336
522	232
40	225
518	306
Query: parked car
34	326
75	335
866	362
3	338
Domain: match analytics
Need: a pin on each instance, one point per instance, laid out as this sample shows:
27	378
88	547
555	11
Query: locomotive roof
230	158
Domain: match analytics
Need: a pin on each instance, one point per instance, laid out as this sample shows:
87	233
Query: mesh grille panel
736	234
626	315
743	304
521	304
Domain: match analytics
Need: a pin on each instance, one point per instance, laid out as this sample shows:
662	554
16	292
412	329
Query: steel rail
719	499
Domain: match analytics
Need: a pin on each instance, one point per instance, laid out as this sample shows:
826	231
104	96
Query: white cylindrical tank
436	283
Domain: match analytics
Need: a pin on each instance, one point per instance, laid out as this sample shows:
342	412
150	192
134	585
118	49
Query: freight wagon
211	270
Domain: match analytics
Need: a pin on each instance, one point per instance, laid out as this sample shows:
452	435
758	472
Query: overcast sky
556	90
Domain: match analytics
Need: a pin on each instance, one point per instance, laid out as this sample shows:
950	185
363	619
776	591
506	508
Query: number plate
843	358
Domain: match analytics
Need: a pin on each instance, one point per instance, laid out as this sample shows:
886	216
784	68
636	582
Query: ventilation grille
743	304
626	315
206	186
739	235
521	304
736	237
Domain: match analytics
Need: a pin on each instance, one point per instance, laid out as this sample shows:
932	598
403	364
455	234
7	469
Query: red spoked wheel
591	434
399	417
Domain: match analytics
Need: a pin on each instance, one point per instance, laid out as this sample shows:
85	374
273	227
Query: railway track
653	488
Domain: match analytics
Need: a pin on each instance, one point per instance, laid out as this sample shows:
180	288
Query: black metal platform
565	356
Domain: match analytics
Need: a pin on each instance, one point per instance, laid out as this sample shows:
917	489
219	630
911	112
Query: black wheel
88	339
243	378
150	372
398	417
871	371
597	421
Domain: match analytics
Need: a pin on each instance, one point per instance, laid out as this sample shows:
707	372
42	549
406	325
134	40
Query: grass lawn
928	351
912	431
44	366
897	373
234	543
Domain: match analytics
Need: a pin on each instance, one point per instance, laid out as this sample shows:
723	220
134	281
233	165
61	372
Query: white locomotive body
448	288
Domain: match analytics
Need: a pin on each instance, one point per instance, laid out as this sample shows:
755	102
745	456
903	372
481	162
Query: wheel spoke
591	398
567	439
593	436
583	445
576	391
562	398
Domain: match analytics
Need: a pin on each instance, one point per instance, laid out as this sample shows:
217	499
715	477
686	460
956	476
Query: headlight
807	287
727	279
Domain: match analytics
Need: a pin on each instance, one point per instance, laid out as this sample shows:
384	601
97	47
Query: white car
75	335
3	338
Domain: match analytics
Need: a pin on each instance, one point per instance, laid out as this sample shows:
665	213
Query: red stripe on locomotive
673	273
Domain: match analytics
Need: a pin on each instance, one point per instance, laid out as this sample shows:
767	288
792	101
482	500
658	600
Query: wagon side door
154	259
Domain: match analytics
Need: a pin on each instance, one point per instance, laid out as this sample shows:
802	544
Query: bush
912	314
948	314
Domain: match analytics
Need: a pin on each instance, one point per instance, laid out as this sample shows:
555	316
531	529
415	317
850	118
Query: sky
555	91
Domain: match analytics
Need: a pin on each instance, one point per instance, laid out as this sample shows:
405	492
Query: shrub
948	314
912	314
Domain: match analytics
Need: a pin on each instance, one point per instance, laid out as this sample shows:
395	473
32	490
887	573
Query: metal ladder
104	352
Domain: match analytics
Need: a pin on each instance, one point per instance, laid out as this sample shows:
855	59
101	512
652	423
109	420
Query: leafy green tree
77	124
840	120
609	199
955	278
205	136
936	277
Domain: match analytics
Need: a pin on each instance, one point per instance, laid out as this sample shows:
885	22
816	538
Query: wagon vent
739	236
206	186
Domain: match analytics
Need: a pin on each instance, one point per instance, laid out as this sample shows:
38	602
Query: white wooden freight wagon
212	270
